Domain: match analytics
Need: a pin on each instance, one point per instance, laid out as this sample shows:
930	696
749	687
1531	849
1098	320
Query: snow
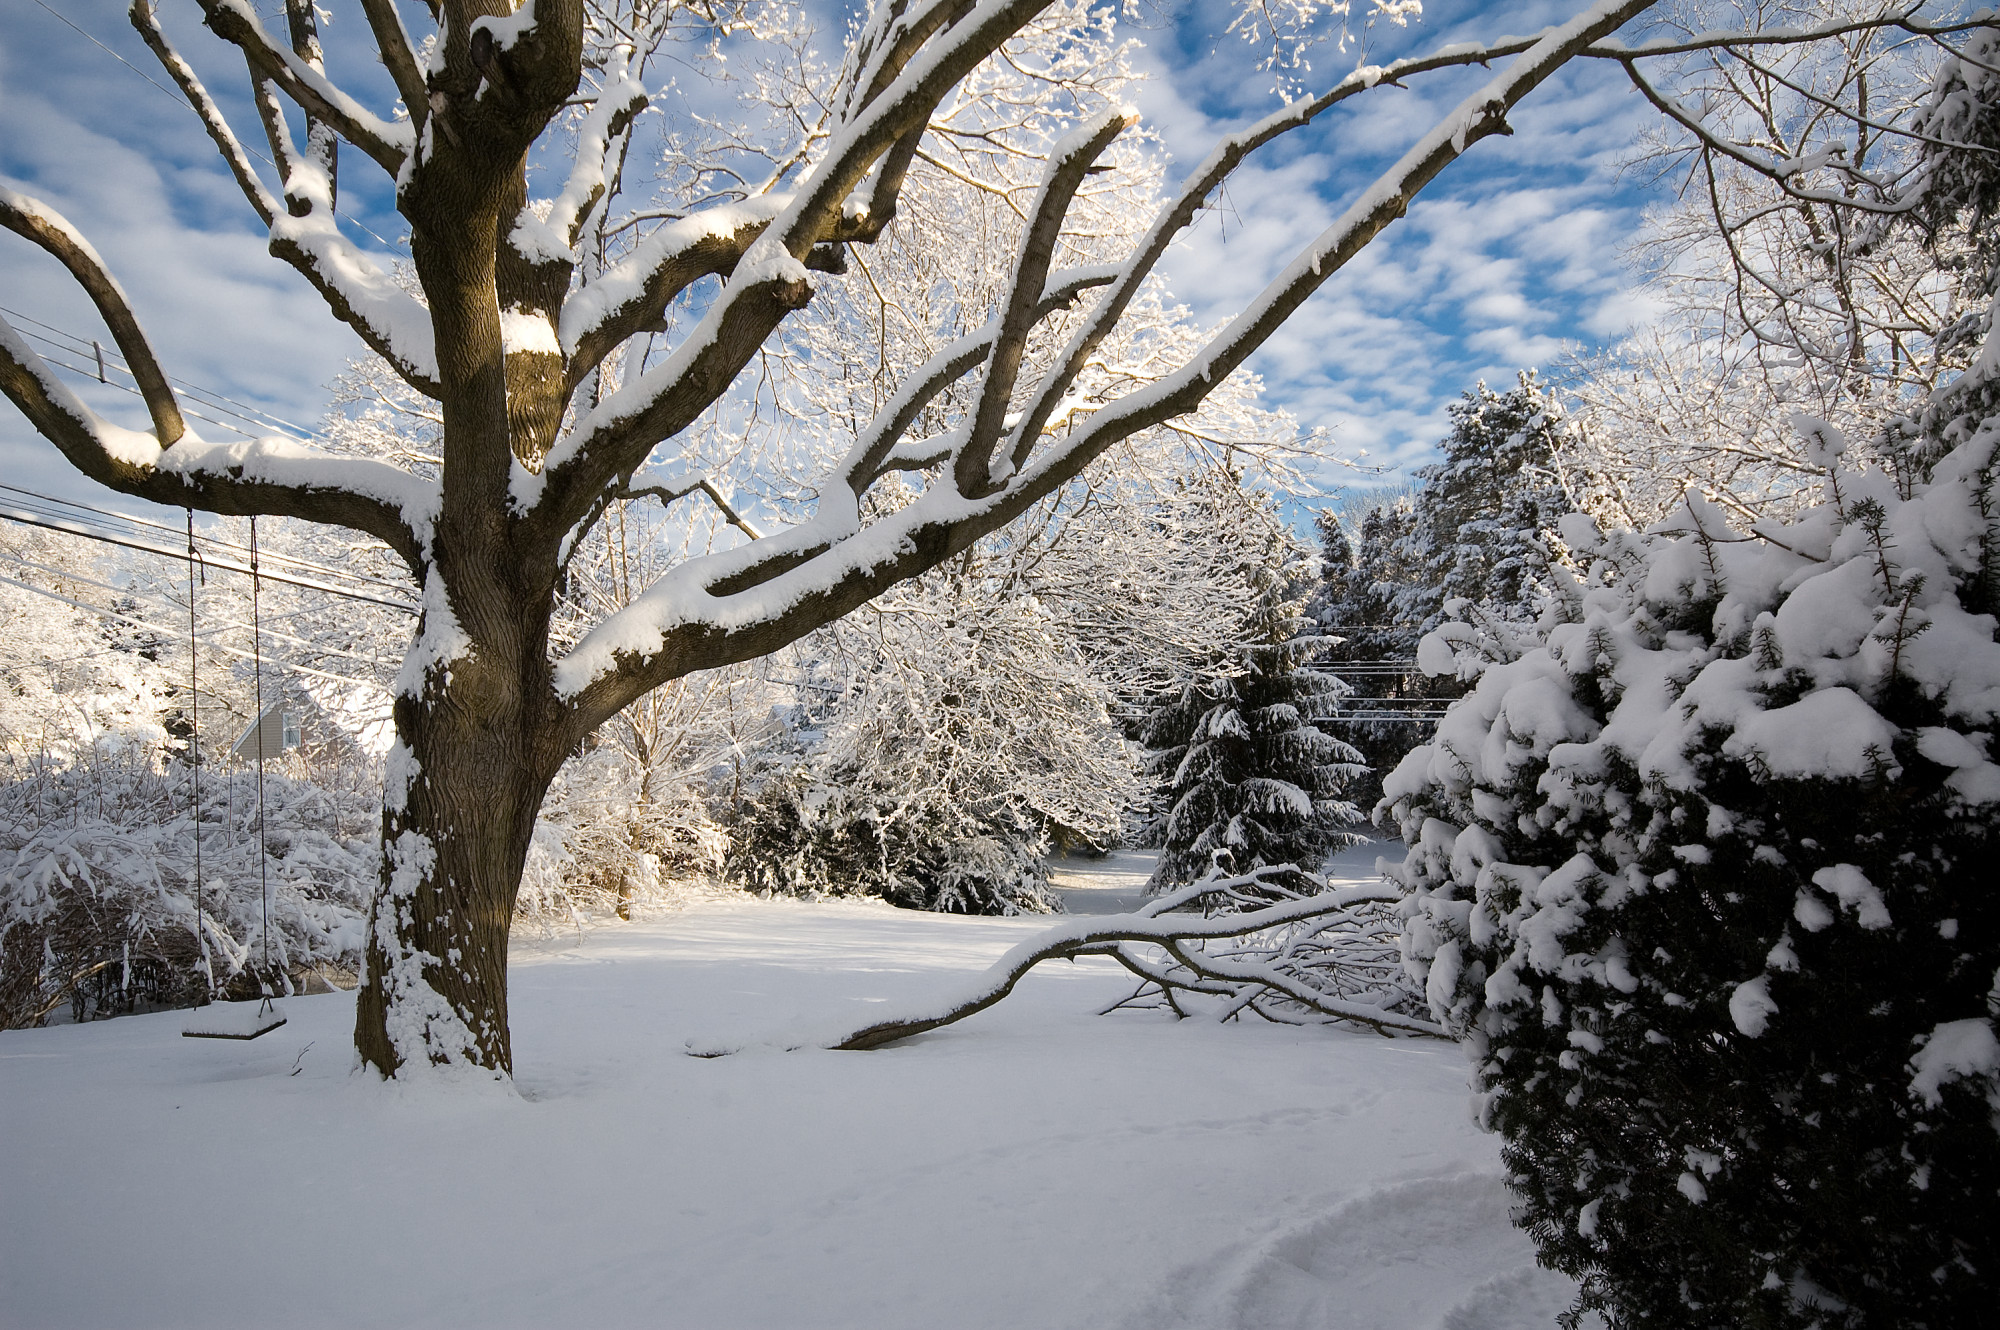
1751	1007
1037	1165
525	330
1956	1049
1855	892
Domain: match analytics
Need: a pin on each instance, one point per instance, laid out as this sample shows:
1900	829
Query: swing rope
267	1017
194	759
257	658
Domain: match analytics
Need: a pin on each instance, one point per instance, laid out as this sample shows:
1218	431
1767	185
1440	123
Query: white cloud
1510	258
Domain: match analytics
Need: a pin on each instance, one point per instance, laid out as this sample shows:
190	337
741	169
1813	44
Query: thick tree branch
387	142
737	604
393	323
769	282
29	218
399	57
262	202
1181	936
1071	161
264	477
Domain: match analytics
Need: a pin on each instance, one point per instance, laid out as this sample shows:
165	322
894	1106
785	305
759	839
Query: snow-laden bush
968	731
1702	871
97	888
615	829
916	848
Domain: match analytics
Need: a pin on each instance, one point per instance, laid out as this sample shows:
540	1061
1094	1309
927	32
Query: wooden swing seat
234	1020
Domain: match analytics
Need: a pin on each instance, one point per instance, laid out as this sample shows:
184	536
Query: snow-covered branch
270	476
33	220
1020	307
399	57
387	142
748	601
1283	952
769	281
355	287
261	200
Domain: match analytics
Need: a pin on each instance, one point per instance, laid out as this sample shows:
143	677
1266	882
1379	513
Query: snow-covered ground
1035	1166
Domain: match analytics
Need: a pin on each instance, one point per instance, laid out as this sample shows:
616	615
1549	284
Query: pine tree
1357	611
1249	778
1478	530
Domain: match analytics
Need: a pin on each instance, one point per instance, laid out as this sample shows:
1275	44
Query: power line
110	359
83	518
114	521
73	529
175	632
221	401
157	601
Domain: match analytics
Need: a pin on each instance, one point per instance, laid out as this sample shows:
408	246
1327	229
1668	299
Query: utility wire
37	510
160	602
114	360
49	506
220	400
175	632
74	530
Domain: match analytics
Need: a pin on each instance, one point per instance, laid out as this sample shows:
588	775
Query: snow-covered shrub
961	732
808	837
1702	870
615	829
97	888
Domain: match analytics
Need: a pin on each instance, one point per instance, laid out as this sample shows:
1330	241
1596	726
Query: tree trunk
474	756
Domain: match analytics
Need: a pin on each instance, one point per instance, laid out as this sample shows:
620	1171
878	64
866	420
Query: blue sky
1511	256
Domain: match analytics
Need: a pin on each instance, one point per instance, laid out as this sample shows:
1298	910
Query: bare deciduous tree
512	324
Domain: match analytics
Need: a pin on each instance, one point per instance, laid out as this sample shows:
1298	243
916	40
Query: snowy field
1035	1166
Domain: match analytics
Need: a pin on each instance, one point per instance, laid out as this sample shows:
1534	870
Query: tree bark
466	779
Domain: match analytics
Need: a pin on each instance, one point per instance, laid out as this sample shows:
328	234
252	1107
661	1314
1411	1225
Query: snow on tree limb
973	469
389	143
171	465
270	476
769	281
261	200
33	220
734	602
356	289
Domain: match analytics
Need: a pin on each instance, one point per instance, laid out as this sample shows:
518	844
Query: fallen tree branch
1309	952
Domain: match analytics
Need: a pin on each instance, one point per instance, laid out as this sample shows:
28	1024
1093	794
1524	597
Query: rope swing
215	1020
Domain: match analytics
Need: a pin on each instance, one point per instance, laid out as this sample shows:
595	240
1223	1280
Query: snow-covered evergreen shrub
97	888
1702	870
1248	779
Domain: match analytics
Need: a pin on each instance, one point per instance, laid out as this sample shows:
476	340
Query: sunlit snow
1035	1166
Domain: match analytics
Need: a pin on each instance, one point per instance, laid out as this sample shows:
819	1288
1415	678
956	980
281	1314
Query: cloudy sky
1511	257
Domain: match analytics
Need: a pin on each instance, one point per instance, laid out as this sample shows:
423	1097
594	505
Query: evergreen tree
1357	610
1248	777
1478	530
